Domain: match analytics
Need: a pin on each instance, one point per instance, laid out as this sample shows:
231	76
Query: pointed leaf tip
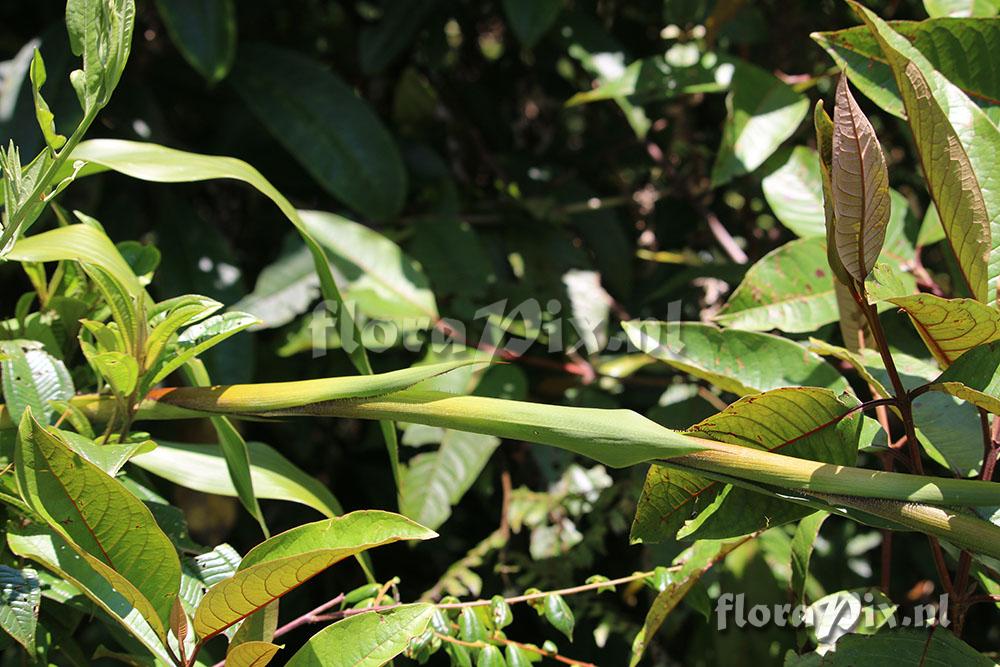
860	183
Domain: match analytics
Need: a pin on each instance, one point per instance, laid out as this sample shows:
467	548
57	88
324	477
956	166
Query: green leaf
108	457
119	369
200	573
366	640
108	525
435	481
763	112
79	243
109	591
695	562
790	289
959	147
234	450
794	191
20	596
203	468
559	615
46	121
204	31
100	31
950	327
164	165
285	561
907	646
948	429
197	339
958	48
32	378
975	377
385	282
960	8
380	44
531	19
669	497
741	362
168	317
860	183
350	153
803	422
490	656
795	421
805	536
251	654
519	657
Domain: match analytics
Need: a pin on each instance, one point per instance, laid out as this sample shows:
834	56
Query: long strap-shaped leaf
160	164
617	438
860	186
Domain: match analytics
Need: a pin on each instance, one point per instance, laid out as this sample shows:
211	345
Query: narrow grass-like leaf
366	640
802	547
286	561
860	184
203	468
165	165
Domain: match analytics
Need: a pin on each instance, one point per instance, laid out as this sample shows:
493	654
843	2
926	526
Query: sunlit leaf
741	362
950	327
32	378
112	526
203	468
366	640
287	560
975	377
20	595
860	184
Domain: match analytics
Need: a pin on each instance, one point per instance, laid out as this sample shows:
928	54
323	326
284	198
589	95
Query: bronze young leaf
860	186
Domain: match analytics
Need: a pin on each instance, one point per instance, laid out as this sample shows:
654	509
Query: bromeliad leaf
860	183
366	640
287	560
97	515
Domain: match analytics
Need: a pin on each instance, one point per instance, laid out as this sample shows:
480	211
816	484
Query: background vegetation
491	151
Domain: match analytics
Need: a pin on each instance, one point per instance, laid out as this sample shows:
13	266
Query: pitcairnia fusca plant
83	524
